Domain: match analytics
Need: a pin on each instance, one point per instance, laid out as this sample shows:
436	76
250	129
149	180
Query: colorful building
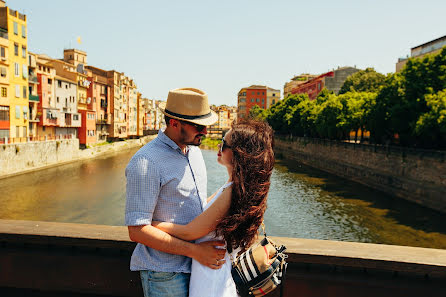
132	109
4	85
33	96
296	81
99	90
47	110
332	81
66	103
248	97
141	115
272	97
14	24
118	106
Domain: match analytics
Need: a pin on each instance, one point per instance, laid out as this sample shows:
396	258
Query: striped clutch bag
260	269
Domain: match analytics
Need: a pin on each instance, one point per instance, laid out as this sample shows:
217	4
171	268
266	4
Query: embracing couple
186	239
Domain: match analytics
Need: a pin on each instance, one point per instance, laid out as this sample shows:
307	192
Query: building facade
118	106
15	25
66	103
4	85
272	97
296	81
99	90
332	80
46	110
33	95
420	51
254	95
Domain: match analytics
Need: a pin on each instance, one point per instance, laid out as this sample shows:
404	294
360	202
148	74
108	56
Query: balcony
104	103
32	79
34	98
4	35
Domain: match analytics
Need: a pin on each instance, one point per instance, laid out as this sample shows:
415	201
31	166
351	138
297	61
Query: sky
223	46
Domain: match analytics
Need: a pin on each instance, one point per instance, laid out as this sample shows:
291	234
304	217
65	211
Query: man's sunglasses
198	127
224	145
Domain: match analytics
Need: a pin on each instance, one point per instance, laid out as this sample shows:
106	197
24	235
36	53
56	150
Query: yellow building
4	85
17	94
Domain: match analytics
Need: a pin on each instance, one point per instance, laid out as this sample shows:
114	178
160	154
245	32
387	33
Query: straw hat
189	104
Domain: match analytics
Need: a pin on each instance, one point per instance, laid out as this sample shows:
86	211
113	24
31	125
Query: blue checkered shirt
163	184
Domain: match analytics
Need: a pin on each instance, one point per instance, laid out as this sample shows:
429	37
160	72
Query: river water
302	202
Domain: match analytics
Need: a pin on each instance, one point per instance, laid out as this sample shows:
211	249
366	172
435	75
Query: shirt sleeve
143	187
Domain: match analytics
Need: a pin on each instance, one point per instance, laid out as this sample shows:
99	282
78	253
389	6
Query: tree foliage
367	80
407	107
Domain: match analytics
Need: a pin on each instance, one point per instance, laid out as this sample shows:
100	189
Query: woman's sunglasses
224	145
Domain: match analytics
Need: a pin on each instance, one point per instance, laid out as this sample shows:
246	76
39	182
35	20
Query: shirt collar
165	139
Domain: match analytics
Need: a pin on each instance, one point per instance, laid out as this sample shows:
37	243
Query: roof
65	79
429	42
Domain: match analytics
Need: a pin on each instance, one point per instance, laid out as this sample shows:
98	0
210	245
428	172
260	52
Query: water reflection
303	202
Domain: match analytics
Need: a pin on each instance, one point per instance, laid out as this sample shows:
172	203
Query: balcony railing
4	35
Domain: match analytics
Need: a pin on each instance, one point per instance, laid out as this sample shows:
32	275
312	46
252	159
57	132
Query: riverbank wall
21	158
413	174
63	259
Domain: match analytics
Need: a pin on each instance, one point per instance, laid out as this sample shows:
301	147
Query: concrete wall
24	157
60	259
415	175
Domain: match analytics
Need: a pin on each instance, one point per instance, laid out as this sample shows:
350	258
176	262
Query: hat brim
205	120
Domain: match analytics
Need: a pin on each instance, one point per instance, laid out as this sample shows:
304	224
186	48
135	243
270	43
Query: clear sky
222	46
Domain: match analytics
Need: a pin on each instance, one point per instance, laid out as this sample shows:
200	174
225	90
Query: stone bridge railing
61	259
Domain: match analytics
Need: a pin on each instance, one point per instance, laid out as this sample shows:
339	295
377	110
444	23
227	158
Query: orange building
249	97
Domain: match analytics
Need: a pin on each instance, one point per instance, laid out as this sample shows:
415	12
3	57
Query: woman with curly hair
235	212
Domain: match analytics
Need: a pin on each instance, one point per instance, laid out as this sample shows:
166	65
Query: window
23	31
4	133
3	71
16	69
4	113
23	52
16	28
16	49
274	95
24	91
263	100
75	117
50	81
4	92
2	52
17	91
25	71
59	84
24	131
25	115
274	101
57	99
17	112
257	100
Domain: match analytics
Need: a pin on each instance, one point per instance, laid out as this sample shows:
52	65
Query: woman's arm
204	223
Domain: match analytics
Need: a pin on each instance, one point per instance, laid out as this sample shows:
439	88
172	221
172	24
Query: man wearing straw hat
166	181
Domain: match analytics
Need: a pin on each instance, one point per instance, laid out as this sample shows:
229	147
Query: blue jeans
165	284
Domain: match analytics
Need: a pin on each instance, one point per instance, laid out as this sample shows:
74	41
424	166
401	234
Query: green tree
280	114
329	118
431	125
258	113
367	80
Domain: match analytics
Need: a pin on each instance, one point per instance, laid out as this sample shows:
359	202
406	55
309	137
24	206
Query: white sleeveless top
205	281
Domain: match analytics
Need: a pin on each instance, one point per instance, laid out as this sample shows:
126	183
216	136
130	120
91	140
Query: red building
87	131
312	87
248	97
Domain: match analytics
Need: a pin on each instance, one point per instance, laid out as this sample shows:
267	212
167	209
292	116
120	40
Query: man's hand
208	253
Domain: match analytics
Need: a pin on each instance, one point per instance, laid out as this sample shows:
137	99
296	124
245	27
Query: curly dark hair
252	145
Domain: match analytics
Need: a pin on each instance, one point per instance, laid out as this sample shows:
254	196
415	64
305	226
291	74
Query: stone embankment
20	158
413	174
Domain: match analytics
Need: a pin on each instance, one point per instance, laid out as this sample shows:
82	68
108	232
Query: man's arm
143	187
206	252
